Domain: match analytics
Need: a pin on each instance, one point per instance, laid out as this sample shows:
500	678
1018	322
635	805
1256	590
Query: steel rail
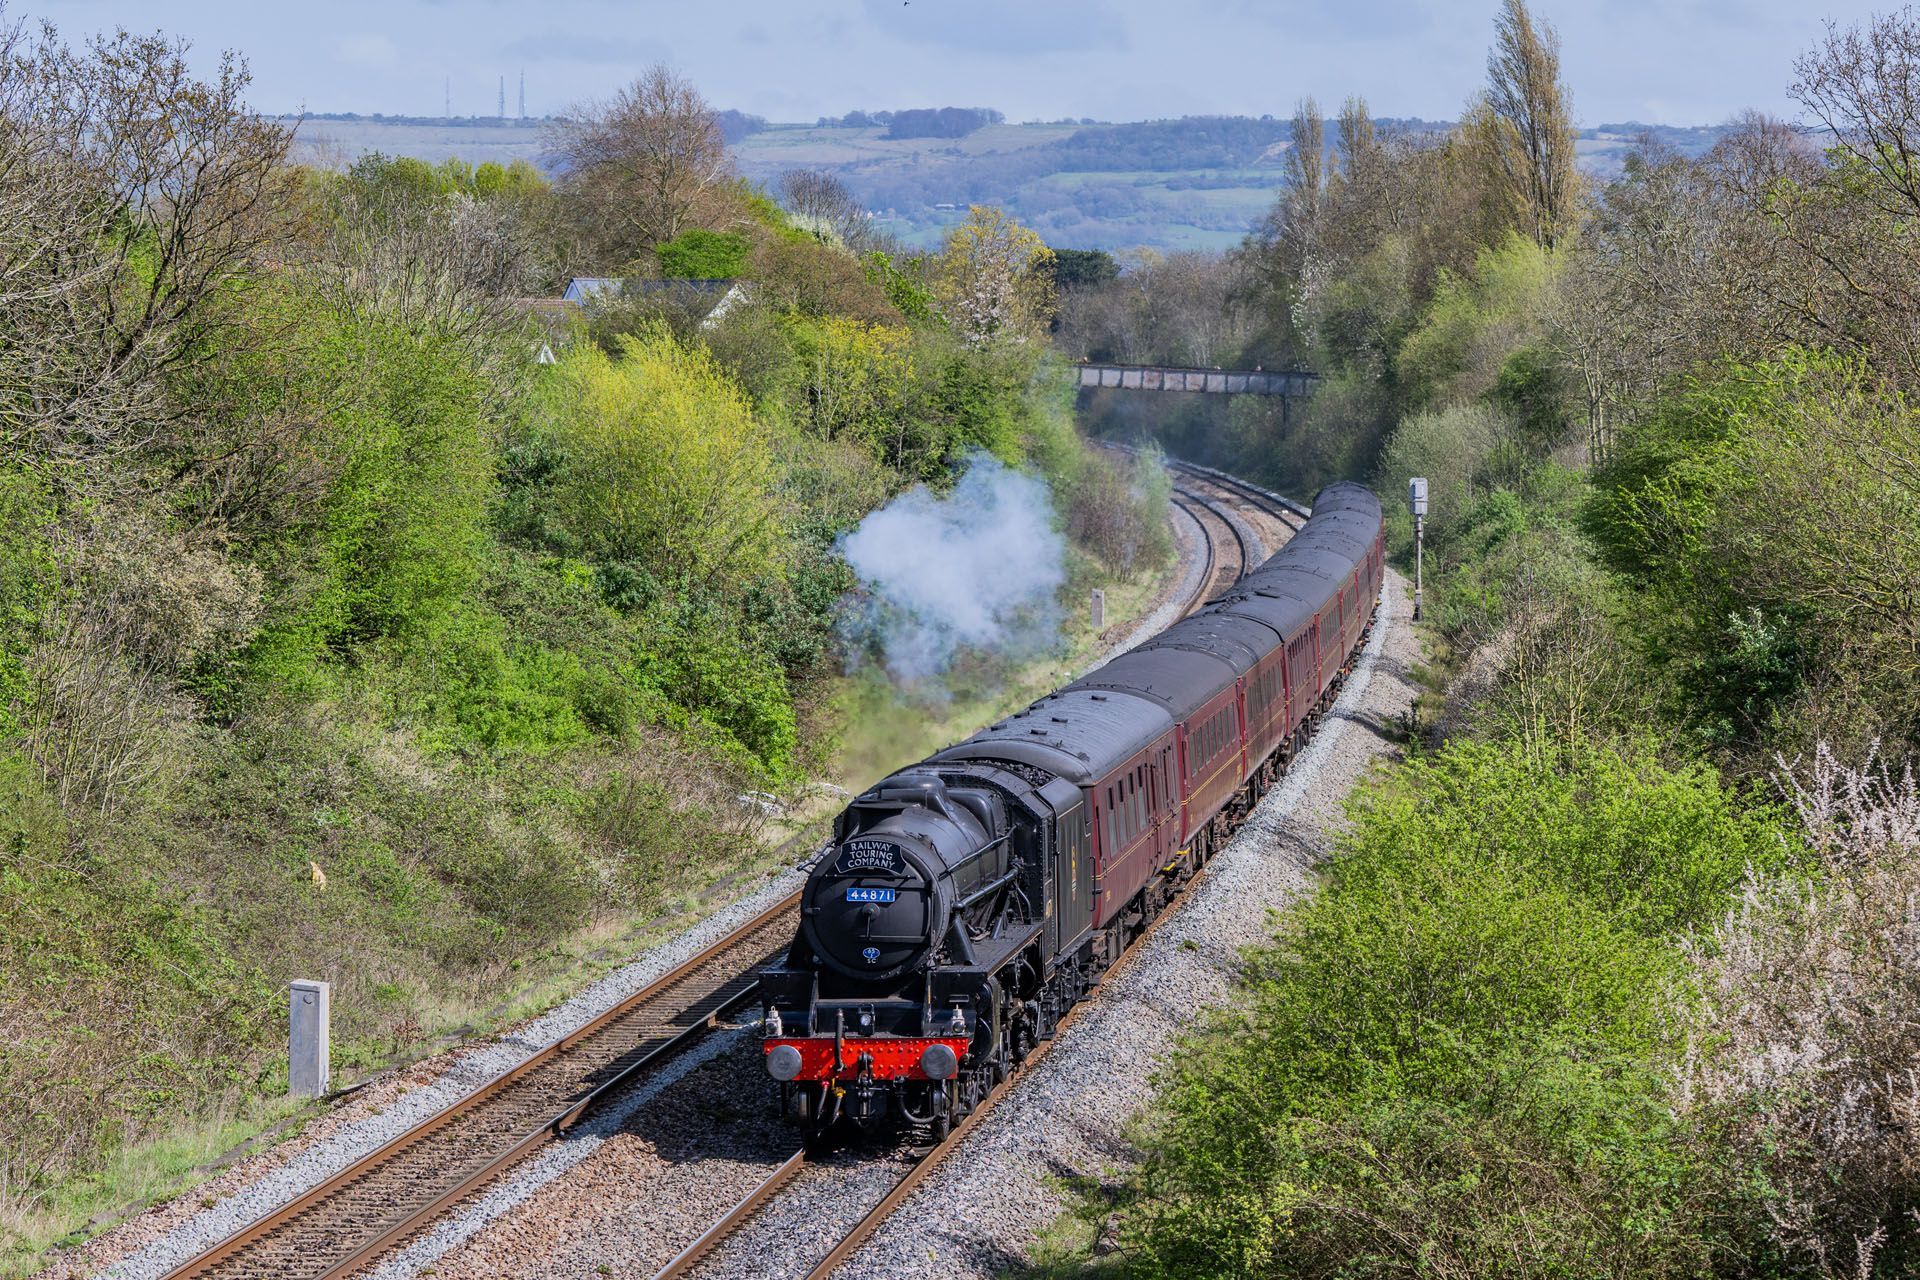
385	1235
1284	507
1215	579
687	1258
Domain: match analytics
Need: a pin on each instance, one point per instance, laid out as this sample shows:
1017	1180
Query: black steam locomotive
969	900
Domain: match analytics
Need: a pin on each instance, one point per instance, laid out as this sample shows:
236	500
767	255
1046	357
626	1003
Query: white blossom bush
1806	1056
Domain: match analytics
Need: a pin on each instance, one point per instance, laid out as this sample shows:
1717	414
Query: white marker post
1099	609
1417	503
310	1007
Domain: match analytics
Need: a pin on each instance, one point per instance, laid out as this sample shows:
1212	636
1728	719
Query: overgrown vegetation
360	622
1612	977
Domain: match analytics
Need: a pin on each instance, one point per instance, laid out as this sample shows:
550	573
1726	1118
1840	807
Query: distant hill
1197	182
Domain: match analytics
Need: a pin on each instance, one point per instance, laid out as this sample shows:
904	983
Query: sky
1655	61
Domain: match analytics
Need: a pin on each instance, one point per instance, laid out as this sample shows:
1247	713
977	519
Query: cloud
599	47
1004	26
368	49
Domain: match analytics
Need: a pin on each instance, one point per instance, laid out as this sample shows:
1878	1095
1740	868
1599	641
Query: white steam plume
977	569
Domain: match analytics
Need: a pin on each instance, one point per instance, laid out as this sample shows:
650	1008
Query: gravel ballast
627	1189
980	1212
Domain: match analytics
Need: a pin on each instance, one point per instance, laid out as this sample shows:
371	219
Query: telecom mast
523	95
447	109
500	107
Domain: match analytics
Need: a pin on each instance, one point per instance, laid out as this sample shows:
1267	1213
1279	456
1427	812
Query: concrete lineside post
310	1008
1099	609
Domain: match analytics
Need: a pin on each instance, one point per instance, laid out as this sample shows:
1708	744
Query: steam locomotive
968	901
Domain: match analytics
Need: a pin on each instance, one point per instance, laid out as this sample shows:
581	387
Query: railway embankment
374	1111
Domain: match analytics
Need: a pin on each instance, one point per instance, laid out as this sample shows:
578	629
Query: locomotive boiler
968	901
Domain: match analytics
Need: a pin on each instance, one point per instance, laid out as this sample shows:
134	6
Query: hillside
1197	183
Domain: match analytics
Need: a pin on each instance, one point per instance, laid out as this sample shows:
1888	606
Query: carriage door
1072	890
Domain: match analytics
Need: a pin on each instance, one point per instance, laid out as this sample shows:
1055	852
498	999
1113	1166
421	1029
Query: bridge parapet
1153	377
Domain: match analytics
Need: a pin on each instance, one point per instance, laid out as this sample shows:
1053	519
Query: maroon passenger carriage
968	901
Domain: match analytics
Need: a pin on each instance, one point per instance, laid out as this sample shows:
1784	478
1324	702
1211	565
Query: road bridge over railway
1293	384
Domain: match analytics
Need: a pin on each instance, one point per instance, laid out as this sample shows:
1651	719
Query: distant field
1048	175
332	142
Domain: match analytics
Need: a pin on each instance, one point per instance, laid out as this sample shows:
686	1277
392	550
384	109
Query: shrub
699	254
395	541
1449	1061
1450	447
1116	510
663	462
1807	1027
1767	515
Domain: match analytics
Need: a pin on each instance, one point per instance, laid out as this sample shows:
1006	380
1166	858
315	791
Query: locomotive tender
968	901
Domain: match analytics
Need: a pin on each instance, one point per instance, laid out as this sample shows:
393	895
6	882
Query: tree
1307	172
1522	129
993	279
645	163
132	198
1079	268
1862	86
823	204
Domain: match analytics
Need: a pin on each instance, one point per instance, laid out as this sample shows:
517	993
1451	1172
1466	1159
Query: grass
136	1176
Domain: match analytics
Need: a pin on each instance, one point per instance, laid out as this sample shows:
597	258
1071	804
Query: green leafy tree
699	254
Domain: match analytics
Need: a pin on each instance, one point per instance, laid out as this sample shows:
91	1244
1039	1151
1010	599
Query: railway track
381	1201
1294	514
689	1259
1220	570
1228	555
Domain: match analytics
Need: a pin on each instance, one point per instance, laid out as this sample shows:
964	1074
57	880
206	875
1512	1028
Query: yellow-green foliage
665	462
854	378
1475	323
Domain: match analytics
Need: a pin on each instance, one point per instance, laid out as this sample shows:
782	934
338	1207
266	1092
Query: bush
1450	447
1450	1062
1767	517
395	541
1806	1028
663	462
1116	509
699	254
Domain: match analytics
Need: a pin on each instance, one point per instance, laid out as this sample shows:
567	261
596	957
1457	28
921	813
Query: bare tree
1863	86
1522	125
388	249
645	163
132	196
1307	157
825	204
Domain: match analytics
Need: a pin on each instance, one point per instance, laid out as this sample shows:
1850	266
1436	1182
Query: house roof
718	295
